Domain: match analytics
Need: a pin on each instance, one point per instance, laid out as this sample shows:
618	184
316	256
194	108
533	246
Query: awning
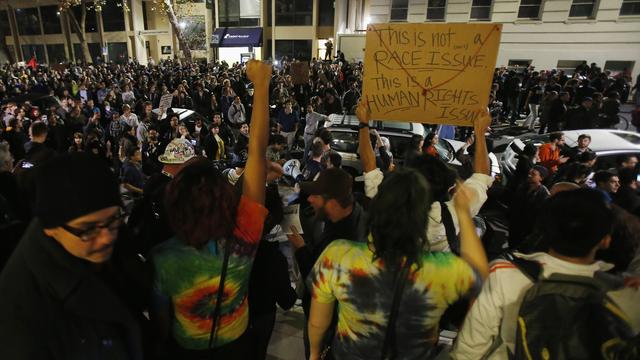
237	37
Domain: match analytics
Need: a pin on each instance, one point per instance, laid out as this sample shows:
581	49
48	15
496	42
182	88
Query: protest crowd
132	227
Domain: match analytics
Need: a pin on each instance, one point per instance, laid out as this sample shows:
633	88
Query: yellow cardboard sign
430	73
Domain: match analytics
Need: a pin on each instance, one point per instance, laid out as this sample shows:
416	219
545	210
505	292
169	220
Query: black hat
72	185
334	183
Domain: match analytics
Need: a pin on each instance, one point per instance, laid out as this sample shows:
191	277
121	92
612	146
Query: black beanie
72	185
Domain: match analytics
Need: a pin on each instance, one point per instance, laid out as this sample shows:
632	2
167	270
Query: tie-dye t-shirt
189	277
363	288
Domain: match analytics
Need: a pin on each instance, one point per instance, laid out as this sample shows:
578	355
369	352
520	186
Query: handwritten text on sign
430	73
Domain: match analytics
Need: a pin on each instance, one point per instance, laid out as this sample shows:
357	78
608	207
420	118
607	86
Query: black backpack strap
389	347
531	269
216	311
449	228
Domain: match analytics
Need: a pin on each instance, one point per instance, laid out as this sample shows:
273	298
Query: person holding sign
391	290
443	226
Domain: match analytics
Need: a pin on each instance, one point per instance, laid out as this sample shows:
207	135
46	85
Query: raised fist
259	72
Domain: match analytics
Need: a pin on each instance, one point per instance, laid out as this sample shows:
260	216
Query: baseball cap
177	152
334	183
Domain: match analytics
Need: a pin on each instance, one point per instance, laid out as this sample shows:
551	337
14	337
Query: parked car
608	144
344	129
187	116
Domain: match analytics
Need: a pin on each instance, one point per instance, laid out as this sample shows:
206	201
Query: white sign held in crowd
165	102
291	218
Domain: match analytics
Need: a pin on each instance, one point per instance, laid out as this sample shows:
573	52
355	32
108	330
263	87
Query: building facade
140	30
545	33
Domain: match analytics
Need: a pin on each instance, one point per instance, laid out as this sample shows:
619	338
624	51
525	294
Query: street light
182	25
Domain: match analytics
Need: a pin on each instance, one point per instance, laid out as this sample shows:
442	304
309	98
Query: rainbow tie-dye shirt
346	272
189	277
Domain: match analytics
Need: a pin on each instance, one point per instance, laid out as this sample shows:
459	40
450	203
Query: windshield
632	138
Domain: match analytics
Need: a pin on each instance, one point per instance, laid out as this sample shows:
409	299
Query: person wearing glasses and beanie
59	290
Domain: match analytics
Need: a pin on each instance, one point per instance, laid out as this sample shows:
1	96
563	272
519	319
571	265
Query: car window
389	125
399	145
610	161
344	141
194	116
632	138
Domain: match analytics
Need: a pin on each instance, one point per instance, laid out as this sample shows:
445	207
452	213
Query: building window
518	64
619	67
90	22
326	13
28	21
31	50
113	16
481	10
94	51
50	19
436	10
4	23
582	8
529	9
238	13
56	53
117	52
267	50
294	12
630	7
399	10
298	49
145	17
569	66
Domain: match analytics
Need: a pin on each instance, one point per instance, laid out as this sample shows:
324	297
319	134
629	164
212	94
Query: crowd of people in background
130	230
589	98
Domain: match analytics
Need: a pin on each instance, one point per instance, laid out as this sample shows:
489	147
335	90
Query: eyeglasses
112	224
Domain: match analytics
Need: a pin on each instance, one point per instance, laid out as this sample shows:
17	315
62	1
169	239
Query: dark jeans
514	112
259	334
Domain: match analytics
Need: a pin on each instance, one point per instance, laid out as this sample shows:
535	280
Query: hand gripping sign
430	73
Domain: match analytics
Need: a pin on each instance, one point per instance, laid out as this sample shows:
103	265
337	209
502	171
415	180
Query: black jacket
269	283
580	118
55	306
353	228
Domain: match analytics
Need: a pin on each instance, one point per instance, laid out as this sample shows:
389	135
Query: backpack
570	317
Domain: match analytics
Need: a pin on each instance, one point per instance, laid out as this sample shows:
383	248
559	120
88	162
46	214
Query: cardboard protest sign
430	73
300	73
165	102
59	67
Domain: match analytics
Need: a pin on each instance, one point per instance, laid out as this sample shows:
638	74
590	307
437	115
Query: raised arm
255	171
367	156
481	160
471	249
